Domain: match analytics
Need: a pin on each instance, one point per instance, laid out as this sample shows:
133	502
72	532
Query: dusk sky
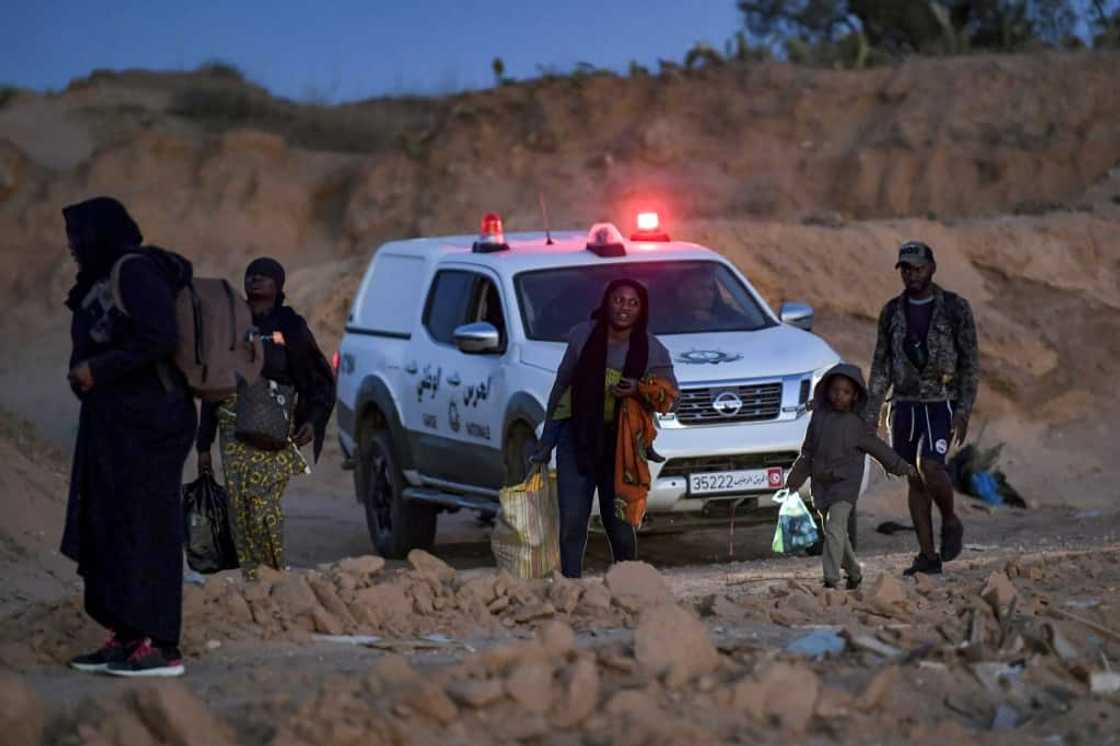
346	49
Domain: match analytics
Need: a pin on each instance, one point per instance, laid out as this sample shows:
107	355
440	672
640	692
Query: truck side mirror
797	314
478	338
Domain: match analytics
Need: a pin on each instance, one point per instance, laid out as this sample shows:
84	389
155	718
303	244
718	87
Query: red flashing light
491	228
649	228
491	237
336	362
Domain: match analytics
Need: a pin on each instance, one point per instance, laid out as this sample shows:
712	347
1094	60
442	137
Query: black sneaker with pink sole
147	660
113	651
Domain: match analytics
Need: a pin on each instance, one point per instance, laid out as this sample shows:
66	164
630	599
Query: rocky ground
1016	643
1009	647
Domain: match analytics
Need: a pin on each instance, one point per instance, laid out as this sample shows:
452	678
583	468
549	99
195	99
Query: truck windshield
686	297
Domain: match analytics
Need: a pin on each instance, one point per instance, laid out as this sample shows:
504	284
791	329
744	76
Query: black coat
299	363
124	524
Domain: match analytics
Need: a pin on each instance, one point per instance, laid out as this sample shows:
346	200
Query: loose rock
637	584
476	693
581	694
557	638
999	592
878	689
174	715
365	565
530	685
668	637
888	590
783	692
21	715
431	566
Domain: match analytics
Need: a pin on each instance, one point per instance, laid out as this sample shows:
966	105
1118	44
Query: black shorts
923	427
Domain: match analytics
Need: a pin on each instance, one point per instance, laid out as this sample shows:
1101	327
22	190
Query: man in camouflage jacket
926	359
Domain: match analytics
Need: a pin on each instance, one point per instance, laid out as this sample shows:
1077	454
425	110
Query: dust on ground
1009	647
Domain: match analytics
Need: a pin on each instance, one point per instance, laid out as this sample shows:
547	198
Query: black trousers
576	491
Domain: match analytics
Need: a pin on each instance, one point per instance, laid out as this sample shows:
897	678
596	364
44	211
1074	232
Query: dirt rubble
1003	651
355	597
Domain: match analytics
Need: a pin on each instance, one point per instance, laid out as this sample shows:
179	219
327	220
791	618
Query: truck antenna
544	213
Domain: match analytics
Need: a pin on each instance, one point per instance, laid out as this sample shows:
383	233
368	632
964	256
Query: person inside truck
699	303
606	359
560	312
490	310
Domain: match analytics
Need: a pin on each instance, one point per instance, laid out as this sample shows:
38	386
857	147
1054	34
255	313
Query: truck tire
520	445
395	525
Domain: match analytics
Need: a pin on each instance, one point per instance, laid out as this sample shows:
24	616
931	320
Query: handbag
264	413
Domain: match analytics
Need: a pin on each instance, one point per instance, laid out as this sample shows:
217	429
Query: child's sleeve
803	467
883	453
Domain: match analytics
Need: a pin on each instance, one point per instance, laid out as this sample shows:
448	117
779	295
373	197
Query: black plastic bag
206	522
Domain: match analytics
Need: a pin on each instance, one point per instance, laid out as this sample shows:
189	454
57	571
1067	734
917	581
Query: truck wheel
520	445
396	526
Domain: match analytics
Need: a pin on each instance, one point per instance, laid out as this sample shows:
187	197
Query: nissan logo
727	404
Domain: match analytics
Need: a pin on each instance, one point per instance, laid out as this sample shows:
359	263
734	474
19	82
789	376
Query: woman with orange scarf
614	375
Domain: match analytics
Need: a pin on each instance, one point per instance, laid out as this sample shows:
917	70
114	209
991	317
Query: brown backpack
217	341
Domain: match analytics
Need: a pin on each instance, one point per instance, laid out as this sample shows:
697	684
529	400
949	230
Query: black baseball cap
914	253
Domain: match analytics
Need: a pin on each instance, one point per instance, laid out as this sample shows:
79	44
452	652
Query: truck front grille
713	405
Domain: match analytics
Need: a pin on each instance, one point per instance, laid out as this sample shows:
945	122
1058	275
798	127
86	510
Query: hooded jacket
835	445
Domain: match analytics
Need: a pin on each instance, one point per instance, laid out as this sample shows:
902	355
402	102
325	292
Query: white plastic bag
796	529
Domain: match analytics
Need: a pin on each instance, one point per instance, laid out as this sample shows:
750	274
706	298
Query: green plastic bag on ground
796	529
526	537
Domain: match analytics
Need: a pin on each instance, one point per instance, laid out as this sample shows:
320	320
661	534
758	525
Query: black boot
925	565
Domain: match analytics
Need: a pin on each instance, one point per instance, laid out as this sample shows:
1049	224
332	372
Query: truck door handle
453	380
411	368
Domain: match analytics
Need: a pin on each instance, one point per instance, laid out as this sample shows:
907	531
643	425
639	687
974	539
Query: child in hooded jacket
833	456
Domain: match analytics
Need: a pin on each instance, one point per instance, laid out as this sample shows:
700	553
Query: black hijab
100	232
266	266
592	448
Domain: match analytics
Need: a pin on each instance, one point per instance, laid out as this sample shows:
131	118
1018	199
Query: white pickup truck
453	342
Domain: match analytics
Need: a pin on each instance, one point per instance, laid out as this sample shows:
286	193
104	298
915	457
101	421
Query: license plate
748	480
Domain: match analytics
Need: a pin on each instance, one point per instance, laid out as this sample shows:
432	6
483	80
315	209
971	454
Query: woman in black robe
124	525
255	478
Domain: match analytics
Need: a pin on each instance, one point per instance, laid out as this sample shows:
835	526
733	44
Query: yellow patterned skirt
255	480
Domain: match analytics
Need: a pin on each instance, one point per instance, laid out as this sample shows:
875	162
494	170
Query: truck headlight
818	374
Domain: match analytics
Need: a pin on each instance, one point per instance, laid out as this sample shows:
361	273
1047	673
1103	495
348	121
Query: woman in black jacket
256	478
124	526
605	361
